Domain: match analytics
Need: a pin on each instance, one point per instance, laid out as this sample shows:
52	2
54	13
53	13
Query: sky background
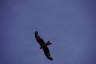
69	24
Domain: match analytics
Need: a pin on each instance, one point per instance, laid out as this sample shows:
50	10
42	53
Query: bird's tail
48	43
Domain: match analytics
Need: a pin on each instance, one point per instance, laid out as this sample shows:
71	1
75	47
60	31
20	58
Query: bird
43	45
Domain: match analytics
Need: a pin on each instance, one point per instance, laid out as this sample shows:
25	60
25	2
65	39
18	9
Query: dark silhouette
43	45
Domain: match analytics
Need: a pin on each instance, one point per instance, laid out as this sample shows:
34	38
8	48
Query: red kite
43	45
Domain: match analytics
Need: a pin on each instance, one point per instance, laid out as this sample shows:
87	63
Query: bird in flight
43	45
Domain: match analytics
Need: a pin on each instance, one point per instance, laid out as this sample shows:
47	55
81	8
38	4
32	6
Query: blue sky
69	24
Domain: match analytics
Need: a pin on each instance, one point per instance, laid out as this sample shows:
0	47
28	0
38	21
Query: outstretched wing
39	39
47	52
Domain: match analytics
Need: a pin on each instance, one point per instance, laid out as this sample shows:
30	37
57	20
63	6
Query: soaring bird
43	45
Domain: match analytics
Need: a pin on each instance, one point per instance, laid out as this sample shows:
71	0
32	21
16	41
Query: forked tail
47	44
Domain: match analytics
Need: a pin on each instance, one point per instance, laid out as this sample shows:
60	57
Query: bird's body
43	46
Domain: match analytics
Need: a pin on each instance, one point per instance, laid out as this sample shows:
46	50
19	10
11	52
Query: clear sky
69	24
